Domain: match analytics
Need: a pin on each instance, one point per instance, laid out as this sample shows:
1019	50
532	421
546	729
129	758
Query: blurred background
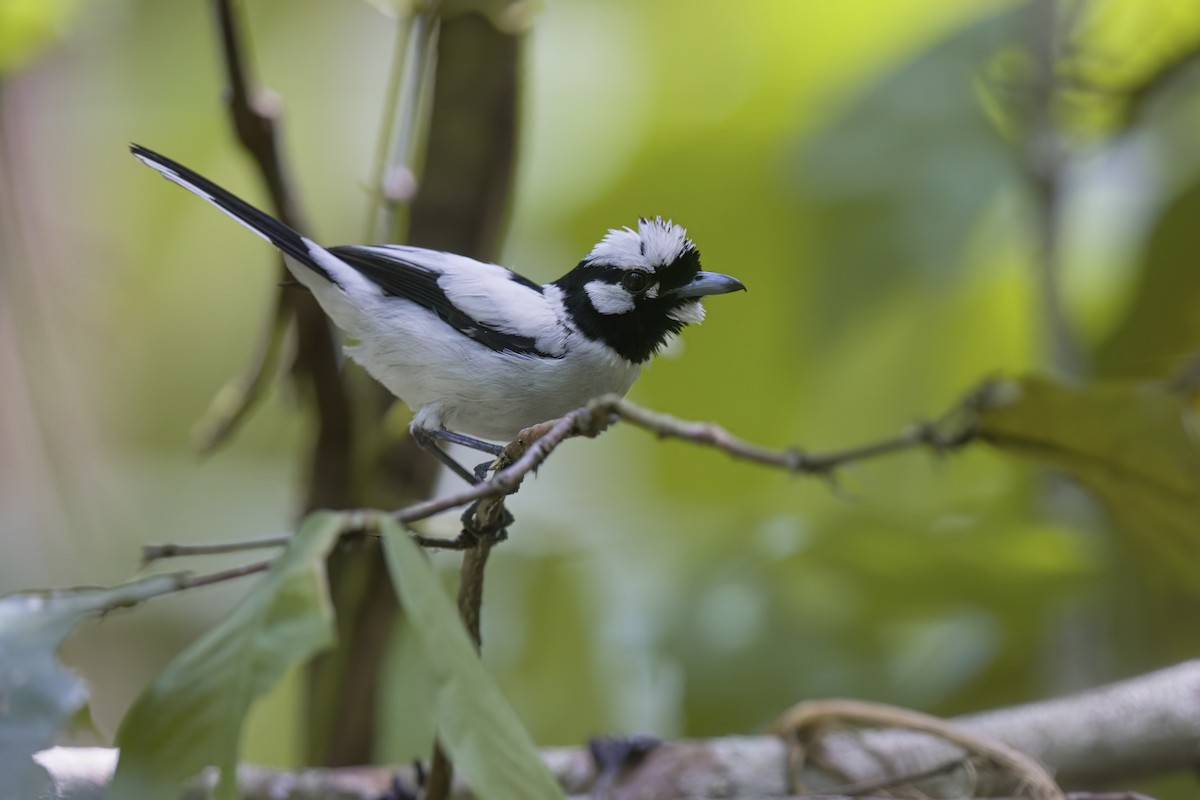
892	180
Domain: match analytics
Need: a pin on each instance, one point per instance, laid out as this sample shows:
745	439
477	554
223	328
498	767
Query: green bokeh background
836	158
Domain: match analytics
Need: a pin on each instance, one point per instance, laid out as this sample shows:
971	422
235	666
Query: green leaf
1136	446
1161	325
38	696
476	725
192	715
898	180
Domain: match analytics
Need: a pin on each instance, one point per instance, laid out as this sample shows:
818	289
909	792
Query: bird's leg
426	440
468	441
481	470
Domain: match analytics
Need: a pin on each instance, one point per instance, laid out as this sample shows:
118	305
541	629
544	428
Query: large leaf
1136	446
37	696
192	715
1161	325
476	725
898	180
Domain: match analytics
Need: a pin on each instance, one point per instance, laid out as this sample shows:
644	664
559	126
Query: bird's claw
493	531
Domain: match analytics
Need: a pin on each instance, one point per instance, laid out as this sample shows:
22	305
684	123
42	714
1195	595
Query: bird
477	351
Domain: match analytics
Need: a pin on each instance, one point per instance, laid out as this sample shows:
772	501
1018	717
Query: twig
254	113
470	606
533	445
792	459
1045	162
192	582
237	398
155	552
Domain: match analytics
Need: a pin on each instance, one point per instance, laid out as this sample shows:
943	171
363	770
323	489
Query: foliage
192	715
483	735
38	695
1137	447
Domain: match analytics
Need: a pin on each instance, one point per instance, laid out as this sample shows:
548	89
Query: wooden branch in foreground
1141	727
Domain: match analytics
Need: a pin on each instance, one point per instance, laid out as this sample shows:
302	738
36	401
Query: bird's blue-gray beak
706	283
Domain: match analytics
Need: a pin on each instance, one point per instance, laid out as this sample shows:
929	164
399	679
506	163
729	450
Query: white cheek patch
608	298
689	313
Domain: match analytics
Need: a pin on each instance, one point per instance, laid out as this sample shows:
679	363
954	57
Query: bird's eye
635	281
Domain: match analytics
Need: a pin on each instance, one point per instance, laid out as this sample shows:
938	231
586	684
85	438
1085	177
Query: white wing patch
655	243
488	293
608	298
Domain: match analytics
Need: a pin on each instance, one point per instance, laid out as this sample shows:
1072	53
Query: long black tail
259	222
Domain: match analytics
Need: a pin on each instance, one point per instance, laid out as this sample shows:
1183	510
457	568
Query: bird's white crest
654	244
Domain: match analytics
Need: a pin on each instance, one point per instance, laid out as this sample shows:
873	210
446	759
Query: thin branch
470	608
173	582
953	431
208	579
254	113
1045	159
231	405
155	552
533	445
930	435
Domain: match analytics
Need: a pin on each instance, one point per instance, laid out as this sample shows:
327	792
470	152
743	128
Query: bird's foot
493	529
481	470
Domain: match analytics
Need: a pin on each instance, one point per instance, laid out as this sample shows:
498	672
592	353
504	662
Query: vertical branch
1046	161
404	122
345	686
470	607
462	207
255	113
468	175
1080	658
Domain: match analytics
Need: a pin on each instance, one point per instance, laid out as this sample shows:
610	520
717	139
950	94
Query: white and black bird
477	351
